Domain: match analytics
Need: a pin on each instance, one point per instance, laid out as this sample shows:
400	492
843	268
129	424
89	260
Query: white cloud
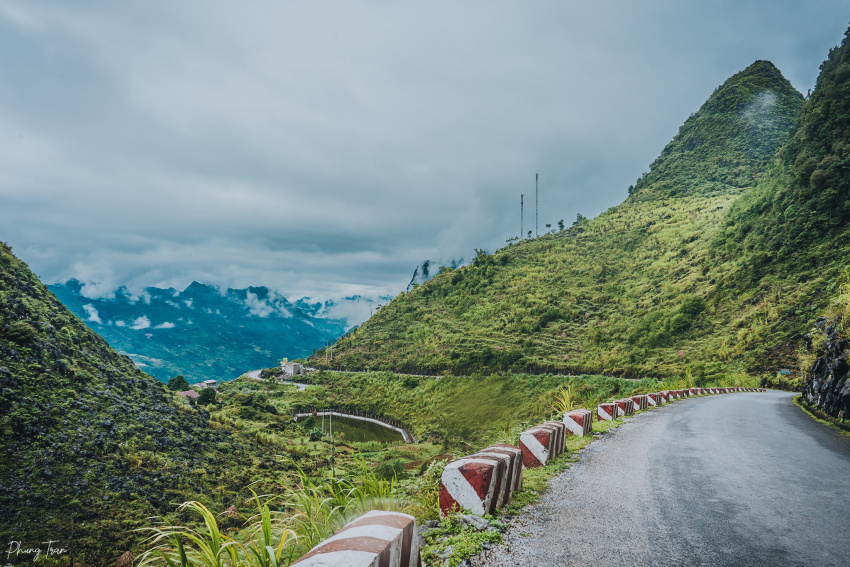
98	290
141	323
120	324
92	313
166	325
329	155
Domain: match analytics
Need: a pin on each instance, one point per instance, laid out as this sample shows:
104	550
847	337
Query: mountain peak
728	142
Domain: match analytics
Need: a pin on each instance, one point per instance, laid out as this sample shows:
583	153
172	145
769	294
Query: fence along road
737	479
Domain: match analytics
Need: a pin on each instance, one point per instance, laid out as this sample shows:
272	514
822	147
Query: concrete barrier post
606	412
626	406
374	539
468	483
515	453
579	422
502	480
561	439
535	444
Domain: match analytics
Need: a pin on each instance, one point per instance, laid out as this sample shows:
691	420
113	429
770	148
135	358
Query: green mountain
800	213
201	332
728	143
684	276
85	436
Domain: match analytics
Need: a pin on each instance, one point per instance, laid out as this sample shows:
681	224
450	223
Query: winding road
734	479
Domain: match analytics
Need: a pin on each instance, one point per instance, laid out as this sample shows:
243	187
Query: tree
207	396
580	218
561	224
178	384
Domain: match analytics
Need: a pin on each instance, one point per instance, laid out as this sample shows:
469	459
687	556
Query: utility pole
521	227
536	234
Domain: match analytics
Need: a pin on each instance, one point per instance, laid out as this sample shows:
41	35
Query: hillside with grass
673	281
86	437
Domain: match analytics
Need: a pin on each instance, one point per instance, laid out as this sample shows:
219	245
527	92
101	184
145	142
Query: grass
840	426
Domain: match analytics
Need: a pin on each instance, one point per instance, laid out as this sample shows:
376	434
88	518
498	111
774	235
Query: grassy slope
631	292
85	435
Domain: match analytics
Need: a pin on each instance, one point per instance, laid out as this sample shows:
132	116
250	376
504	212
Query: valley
725	263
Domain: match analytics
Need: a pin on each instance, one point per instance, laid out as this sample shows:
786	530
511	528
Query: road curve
732	479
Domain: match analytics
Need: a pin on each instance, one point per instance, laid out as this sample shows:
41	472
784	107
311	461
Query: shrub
206	396
389	470
178	384
21	332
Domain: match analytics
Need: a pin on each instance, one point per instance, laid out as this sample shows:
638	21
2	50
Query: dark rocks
827	387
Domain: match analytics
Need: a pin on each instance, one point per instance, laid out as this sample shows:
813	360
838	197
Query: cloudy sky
327	148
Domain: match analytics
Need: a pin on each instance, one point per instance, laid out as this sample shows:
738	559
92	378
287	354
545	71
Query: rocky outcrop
827	387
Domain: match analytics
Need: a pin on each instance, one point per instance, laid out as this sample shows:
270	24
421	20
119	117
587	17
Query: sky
325	149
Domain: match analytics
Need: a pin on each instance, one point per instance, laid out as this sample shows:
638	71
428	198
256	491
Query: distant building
192	394
206	384
292	368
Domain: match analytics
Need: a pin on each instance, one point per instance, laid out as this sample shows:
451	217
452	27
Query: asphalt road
730	479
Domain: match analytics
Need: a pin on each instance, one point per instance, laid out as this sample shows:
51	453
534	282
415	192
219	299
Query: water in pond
357	431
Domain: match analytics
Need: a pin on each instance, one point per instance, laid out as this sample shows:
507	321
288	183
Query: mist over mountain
430	268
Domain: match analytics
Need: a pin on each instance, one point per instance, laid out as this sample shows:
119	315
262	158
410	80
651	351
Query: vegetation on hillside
677	278
726	145
798	218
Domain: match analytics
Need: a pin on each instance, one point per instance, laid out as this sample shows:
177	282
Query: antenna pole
521	213
536	234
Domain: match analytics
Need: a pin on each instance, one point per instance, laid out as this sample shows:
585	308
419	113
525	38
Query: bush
21	332
206	396
316	434
389	470
178	384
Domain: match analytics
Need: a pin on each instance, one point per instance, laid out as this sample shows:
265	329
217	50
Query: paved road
255	375
731	479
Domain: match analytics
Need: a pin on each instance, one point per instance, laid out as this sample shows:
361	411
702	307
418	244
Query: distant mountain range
206	333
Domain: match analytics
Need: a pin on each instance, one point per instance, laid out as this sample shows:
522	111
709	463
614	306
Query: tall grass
310	512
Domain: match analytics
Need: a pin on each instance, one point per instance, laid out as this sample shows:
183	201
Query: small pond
356	431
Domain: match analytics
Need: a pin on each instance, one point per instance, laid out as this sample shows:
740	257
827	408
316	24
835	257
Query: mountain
648	288
800	214
728	143
204	333
88	437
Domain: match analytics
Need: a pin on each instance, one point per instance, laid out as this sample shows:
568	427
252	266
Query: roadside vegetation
278	528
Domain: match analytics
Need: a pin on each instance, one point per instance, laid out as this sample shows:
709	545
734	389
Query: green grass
832	422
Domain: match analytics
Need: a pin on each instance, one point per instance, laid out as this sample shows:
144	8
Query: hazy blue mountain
203	332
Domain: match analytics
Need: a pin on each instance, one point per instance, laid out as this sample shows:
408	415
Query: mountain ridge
202	332
640	290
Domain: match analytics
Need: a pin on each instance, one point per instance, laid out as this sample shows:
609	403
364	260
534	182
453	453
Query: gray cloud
326	149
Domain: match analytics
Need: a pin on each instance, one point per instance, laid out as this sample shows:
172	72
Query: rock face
827	387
